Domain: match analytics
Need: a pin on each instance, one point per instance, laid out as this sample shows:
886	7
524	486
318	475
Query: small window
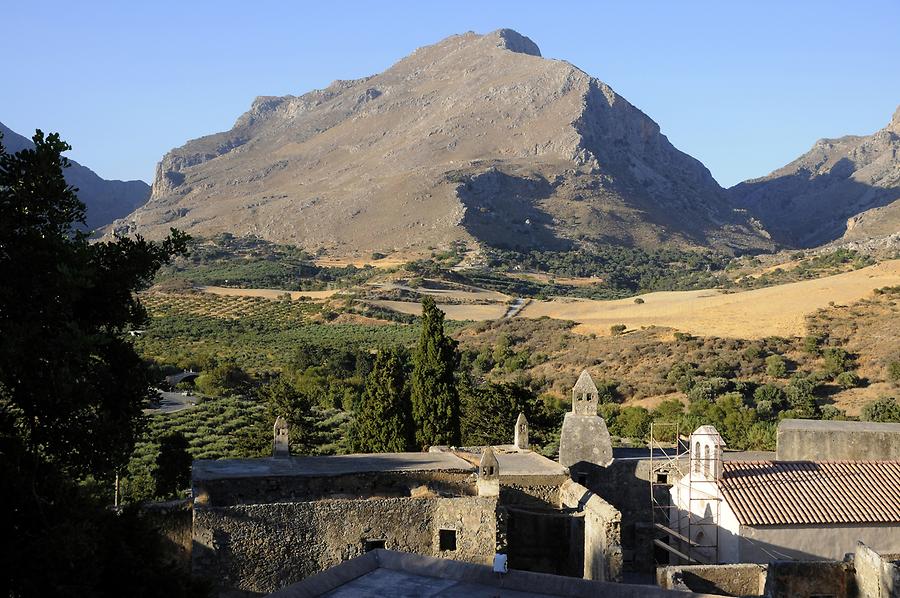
662	478
447	539
371	545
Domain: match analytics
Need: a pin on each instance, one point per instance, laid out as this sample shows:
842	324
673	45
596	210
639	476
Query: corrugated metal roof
807	492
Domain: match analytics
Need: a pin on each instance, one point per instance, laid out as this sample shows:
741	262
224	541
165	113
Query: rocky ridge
844	189
106	200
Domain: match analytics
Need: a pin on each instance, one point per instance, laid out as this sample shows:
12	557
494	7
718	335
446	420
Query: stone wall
809	579
544	541
877	576
602	533
625	484
813	440
263	547
726	580
524	492
173	521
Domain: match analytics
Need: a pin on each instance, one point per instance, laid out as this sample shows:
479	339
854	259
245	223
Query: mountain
842	189
105	200
476	138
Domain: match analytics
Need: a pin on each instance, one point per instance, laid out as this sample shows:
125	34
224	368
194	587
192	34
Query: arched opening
696	457
706	459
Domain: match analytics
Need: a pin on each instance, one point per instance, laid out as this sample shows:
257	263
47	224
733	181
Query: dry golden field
773	311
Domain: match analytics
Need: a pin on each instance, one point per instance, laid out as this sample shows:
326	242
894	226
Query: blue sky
745	87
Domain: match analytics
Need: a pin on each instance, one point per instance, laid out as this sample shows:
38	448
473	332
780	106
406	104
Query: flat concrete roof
527	463
381	573
513	461
324	466
837	426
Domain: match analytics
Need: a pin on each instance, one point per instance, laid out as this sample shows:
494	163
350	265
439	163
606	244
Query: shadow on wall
503	211
801	210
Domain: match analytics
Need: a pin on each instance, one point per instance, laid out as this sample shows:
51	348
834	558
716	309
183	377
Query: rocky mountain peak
895	121
514	42
476	138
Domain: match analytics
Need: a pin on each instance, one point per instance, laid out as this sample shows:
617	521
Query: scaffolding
690	534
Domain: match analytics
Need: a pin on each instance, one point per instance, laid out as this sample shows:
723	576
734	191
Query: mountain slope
846	188
476	138
105	200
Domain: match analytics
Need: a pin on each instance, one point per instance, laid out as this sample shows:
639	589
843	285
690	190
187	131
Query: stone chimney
521	435
280	446
488	474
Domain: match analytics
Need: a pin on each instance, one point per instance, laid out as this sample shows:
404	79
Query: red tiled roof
802	492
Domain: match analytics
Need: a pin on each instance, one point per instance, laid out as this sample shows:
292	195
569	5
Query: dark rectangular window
447	539
662	478
373	545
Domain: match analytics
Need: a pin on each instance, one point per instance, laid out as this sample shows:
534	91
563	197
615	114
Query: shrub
719	369
769	399
812	343
633	422
681	376
638	300
801	396
894	371
617	329
847	380
608	391
776	366
752	352
708	389
837	360
832	412
885	409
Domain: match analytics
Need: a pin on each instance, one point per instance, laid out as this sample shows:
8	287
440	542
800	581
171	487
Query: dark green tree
384	414
801	397
173	465
435	402
283	399
71	385
490	411
885	409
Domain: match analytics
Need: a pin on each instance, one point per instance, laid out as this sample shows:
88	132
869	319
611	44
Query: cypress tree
384	416
435	402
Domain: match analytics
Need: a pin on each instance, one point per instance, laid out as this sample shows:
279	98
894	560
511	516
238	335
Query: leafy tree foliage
837	361
801	397
435	401
776	366
221	379
283	399
72	387
885	409
894	371
384	415
490	411
173	465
